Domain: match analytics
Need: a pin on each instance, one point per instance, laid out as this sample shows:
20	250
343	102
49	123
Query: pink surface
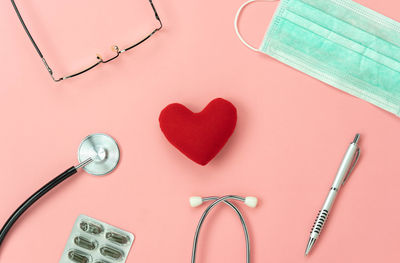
291	134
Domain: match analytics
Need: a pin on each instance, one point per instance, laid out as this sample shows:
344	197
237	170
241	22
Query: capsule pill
83	242
78	257
91	228
111	253
117	238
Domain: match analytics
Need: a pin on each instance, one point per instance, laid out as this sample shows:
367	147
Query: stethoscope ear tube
196	201
31	200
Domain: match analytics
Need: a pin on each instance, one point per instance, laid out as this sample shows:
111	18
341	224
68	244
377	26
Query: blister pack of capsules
93	241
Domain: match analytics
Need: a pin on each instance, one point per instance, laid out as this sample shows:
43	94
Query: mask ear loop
237	18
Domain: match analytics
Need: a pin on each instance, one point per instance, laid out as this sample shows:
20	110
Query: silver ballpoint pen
346	167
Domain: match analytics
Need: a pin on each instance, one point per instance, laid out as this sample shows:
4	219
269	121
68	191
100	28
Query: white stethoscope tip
195	201
251	201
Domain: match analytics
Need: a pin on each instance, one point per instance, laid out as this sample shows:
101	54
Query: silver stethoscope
195	201
98	154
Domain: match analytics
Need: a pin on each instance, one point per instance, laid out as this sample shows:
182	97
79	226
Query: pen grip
319	223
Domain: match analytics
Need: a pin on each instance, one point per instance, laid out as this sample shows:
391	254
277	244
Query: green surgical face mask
339	42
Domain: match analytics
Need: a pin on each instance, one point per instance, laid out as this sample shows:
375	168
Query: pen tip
356	138
310	244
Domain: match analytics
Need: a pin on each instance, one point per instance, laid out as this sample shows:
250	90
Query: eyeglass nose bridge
114	48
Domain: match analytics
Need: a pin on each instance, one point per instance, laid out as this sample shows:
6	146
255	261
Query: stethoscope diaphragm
103	150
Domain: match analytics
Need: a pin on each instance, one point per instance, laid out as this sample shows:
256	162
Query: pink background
291	134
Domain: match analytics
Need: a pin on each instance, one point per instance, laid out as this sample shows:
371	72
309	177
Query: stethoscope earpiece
250	201
195	201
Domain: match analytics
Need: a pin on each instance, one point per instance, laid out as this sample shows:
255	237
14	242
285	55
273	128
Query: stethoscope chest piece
98	154
104	152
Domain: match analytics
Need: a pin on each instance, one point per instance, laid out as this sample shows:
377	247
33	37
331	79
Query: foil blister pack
93	241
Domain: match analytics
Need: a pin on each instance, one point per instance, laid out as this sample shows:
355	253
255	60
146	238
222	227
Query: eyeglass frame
99	58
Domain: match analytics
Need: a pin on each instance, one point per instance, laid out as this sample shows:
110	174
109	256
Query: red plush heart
199	136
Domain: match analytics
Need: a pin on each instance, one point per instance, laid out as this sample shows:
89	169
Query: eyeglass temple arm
156	14
33	41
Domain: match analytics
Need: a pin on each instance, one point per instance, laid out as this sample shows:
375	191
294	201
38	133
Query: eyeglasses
99	59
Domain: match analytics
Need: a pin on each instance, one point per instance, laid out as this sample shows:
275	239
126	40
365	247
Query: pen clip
355	160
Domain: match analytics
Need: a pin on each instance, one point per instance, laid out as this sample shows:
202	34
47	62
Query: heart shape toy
199	136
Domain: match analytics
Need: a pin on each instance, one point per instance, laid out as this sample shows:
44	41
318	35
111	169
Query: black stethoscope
98	154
